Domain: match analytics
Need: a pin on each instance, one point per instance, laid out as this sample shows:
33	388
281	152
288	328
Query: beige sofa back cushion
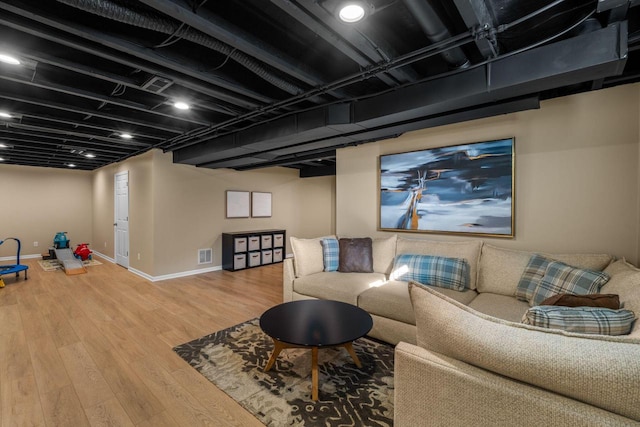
384	252
625	282
599	370
500	269
469	251
307	255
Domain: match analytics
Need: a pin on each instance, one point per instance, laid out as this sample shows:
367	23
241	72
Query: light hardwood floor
96	349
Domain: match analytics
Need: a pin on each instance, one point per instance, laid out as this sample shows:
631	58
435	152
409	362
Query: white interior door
121	223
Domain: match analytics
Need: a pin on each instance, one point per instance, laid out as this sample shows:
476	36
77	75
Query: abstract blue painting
462	189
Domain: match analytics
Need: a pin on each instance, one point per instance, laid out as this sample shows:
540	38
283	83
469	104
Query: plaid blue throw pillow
560	278
583	320
533	273
330	254
451	273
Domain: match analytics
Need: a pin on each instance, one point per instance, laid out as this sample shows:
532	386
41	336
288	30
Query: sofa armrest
437	390
288	276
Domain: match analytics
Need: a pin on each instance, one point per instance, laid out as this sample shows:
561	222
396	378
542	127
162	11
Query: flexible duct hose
436	31
151	21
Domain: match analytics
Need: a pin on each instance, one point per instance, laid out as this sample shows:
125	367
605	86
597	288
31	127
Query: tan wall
177	209
577	173
190	211
38	202
141	238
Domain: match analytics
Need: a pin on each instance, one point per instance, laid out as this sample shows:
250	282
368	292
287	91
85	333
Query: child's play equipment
83	252
13	268
66	256
61	241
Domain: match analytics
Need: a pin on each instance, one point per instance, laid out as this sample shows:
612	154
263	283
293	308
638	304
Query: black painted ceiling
284	82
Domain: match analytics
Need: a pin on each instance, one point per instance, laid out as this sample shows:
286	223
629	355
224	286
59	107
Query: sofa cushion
468	250
500	269
391	300
625	282
561	278
307	255
531	277
330	254
384	252
450	273
599	370
584	320
592	300
501	306
337	286
620	266
356	255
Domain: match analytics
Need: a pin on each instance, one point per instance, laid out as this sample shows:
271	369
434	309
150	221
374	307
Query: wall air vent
157	84
205	256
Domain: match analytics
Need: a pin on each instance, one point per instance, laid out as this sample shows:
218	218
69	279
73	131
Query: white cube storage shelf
240	244
278	255
254	243
266	241
239	261
267	256
247	249
254	259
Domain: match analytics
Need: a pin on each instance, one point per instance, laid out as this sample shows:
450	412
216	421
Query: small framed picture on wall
260	204
238	204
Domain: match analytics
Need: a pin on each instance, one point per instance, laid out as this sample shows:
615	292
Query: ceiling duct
157	84
582	58
150	21
436	31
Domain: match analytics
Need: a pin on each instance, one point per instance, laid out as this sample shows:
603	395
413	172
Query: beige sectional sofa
469	360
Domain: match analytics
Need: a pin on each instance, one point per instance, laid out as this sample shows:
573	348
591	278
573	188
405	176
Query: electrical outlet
35	244
105	244
138	256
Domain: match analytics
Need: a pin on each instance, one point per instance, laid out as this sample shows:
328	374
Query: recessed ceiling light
180	105
90	156
5	115
126	135
71	165
8	59
351	12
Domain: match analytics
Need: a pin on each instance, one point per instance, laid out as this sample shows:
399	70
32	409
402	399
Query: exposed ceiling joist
284	83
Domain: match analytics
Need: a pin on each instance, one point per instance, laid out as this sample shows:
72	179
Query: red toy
83	252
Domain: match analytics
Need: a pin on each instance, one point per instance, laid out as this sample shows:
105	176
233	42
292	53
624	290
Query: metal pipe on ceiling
435	30
107	9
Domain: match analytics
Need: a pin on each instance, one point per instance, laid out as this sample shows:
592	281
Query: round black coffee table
314	324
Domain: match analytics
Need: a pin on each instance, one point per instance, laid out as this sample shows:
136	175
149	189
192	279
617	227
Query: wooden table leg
314	373
349	347
278	346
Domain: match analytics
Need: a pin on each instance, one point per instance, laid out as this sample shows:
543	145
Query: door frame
115	216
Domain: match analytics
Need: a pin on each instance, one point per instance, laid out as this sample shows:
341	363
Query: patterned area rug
233	359
53	264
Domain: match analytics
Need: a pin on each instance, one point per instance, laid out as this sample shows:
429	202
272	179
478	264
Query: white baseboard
13	258
164	276
135	271
101	255
174	275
